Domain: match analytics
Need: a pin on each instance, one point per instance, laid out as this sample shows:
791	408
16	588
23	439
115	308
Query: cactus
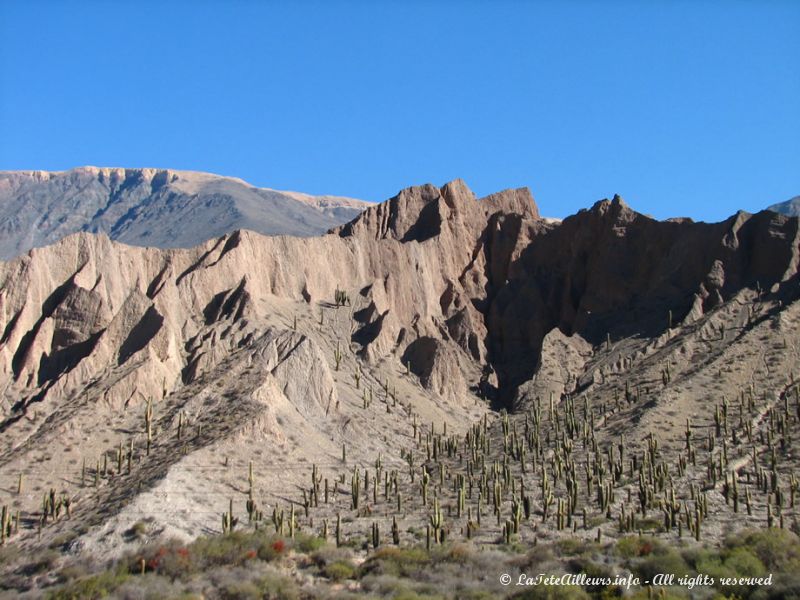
341	298
252	508
148	423
316	479
120	456
395	532
507	533
228	520
5	524
436	522
355	488
277	520
376	536
697	521
337	356
516	513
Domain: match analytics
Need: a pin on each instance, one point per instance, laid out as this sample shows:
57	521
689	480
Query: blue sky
683	108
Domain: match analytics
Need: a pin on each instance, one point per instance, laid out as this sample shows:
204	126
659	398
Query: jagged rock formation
153	207
451	300
435	269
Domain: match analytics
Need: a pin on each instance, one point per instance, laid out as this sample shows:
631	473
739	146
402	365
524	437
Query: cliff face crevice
453	285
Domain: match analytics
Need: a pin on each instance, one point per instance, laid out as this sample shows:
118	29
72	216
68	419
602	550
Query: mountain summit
153	207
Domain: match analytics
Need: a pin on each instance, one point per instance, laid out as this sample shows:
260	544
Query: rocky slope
790	207
153	207
454	307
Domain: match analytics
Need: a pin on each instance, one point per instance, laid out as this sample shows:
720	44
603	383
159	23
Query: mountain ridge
156	207
434	310
790	207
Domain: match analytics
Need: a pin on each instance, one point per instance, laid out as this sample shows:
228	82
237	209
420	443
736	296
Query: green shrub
778	549
308	543
271	548
329	554
395	561
137	531
570	546
665	561
784	585
633	545
245	590
649	524
339	570
695	556
592	570
743	563
96	586
457	553
277	587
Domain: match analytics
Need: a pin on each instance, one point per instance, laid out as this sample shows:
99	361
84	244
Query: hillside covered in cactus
444	375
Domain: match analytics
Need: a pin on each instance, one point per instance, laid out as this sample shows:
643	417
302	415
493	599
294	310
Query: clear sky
684	108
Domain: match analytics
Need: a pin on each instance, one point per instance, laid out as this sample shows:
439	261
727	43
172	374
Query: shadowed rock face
153	207
439	280
612	271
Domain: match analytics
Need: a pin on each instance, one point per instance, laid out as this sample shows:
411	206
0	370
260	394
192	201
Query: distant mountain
153	207
791	207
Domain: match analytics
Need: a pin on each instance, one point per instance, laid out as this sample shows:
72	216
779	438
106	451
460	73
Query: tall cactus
228	520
